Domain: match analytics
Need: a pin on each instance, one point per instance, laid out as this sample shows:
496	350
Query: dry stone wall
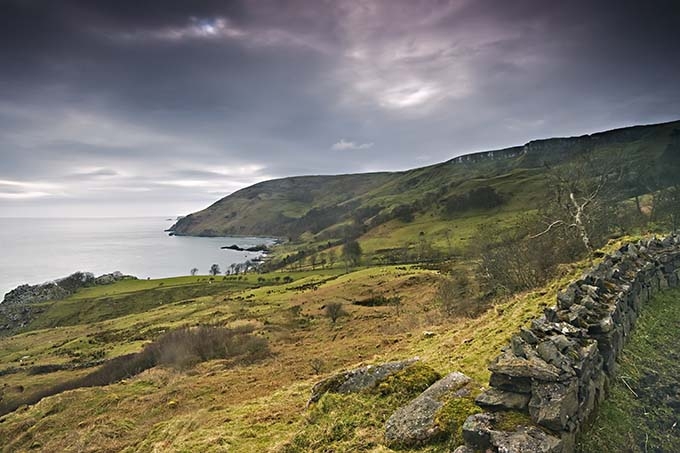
557	369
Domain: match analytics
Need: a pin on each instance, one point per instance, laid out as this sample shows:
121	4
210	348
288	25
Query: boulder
358	379
415	423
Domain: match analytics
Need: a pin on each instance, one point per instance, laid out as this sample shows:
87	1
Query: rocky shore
17	308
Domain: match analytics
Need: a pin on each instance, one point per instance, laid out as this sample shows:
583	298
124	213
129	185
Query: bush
512	260
454	296
377	301
334	311
179	348
186	347
404	213
484	197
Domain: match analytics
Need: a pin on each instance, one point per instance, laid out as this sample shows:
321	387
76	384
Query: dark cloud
167	105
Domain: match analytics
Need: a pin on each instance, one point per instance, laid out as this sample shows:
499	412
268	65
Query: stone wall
557	369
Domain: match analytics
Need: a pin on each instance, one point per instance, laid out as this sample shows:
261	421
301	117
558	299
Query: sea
36	250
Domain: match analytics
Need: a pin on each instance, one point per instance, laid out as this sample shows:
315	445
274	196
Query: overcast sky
162	107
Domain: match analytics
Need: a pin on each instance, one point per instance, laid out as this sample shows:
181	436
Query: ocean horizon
39	249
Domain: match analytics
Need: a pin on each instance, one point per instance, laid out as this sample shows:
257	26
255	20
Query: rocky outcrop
415	423
18	307
358	379
557	369
60	288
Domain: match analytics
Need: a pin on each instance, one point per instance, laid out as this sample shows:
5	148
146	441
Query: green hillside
388	210
448	273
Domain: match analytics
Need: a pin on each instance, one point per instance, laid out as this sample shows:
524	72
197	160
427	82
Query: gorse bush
455	296
334	311
180	349
186	347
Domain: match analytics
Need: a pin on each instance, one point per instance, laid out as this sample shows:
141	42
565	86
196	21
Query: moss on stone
511	420
452	415
412	380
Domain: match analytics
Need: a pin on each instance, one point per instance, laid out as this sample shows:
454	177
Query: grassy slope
219	406
519	177
638	415
259	407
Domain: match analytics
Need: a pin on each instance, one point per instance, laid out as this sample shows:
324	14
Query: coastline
45	249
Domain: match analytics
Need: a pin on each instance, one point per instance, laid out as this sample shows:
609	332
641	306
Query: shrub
334	311
186	347
484	197
512	259
179	348
454	296
376	301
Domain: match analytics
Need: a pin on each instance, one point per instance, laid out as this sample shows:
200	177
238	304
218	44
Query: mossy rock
451	416
410	381
369	377
511	420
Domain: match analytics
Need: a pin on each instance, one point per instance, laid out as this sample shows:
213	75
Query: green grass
637	415
119	299
522	180
219	406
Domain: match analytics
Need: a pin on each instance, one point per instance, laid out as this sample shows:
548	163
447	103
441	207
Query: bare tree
332	258
351	254
667	205
581	196
317	365
215	270
334	311
194	271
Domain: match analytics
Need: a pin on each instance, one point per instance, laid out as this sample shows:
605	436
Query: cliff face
292	206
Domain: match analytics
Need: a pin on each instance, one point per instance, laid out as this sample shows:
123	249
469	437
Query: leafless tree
334	311
581	194
332	258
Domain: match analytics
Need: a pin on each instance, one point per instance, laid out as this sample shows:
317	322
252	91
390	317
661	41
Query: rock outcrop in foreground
557	369
358	379
416	423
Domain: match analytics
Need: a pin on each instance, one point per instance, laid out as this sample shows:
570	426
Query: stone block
495	399
555	404
477	431
526	440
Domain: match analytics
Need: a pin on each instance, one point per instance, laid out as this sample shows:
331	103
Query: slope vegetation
388	209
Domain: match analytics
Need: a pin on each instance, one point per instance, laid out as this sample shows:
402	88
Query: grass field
222	406
227	405
642	409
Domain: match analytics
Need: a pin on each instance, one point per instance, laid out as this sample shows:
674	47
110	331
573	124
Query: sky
161	107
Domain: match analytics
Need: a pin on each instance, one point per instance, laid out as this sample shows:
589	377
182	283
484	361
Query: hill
386	209
259	403
137	366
